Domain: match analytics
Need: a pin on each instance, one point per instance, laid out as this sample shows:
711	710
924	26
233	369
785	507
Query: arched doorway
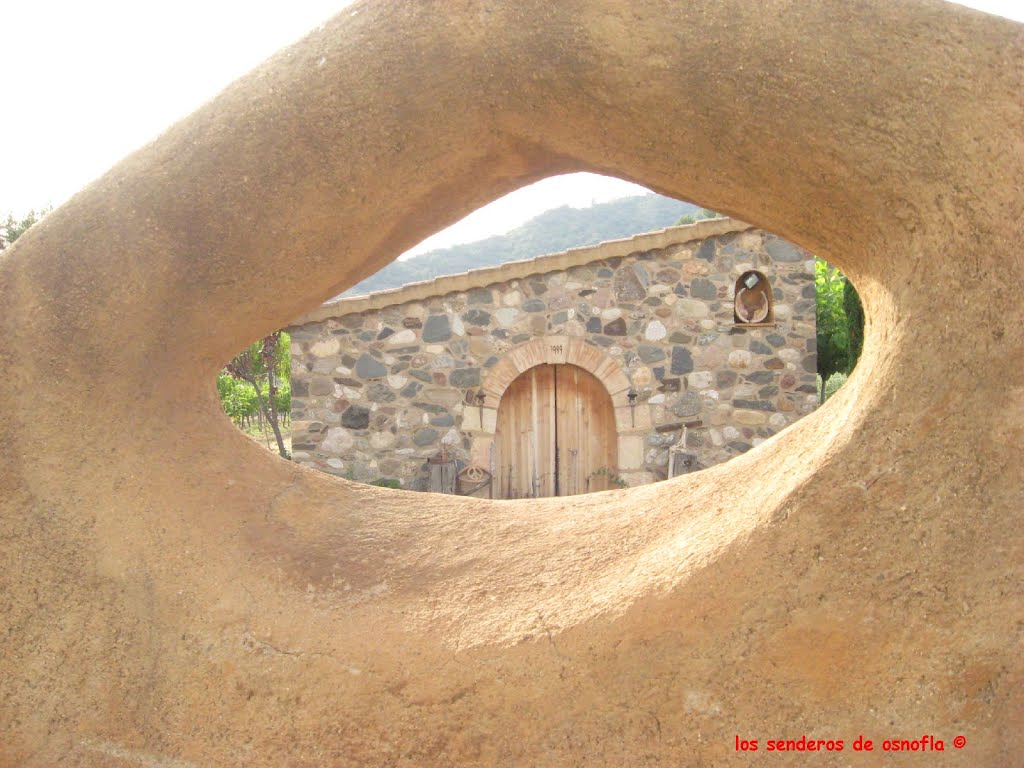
555	434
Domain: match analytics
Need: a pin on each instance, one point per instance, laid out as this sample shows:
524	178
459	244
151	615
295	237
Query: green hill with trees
552	231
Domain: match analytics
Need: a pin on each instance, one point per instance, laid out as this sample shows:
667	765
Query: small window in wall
753	302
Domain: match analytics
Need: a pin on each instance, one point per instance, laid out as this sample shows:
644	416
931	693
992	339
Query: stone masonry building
622	363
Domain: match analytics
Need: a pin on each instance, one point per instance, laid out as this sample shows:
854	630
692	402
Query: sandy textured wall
172	595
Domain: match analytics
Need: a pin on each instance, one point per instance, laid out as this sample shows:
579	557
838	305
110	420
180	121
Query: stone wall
382	383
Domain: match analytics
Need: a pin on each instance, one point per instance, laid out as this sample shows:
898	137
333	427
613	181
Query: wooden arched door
555	434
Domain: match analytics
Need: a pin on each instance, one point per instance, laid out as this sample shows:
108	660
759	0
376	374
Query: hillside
550	232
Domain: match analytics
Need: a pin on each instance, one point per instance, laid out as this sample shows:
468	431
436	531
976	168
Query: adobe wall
178	596
378	391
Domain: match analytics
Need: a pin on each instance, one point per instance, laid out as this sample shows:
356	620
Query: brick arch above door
555	350
631	422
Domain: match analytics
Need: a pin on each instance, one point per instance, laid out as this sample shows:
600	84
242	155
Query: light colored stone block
403	337
790	355
490	421
556	348
642	377
633	479
655	331
740	358
338	441
506	316
471	419
699	380
632	417
631	452
721	415
693	308
750	418
480	451
381	441
326	347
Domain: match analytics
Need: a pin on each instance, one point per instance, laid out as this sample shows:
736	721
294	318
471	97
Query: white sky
85	82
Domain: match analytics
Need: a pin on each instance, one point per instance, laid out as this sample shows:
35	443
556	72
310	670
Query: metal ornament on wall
472	479
480	397
681	460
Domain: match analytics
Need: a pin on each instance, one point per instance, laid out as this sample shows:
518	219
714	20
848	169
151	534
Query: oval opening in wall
592	348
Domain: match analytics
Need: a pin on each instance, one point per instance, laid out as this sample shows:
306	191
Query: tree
840	322
693	218
264	366
854	321
12	228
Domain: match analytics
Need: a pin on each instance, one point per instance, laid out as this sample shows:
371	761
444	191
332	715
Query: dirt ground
265	438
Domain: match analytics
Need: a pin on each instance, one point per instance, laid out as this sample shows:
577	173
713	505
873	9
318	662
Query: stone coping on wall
512	270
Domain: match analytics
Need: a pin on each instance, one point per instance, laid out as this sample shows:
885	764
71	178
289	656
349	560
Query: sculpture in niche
753	302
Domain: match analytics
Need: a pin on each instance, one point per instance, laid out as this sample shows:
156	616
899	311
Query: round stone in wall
655	331
338	440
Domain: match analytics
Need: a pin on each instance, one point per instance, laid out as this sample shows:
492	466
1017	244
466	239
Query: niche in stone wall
752	304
